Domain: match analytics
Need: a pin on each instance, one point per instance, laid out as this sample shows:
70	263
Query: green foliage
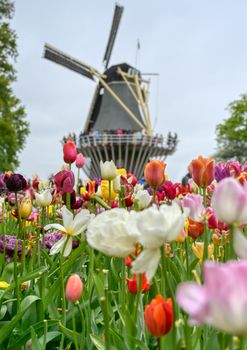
13	126
231	135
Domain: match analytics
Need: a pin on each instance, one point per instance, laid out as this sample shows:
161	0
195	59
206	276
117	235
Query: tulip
25	208
156	226
72	226
74	288
158	316
202	171
69	152
221	301
105	189
195	229
133	285
113	232
198	248
194	203
154	173
229	201
143	199
61	181
15	183
80	161
43	199
108	170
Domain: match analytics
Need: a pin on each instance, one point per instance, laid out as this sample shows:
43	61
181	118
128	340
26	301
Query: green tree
231	135
14	127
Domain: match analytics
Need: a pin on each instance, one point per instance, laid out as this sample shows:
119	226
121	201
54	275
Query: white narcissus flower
71	227
113	232
108	170
143	199
44	198
157	226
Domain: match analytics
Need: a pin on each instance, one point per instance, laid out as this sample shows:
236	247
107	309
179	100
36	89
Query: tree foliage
231	135
14	127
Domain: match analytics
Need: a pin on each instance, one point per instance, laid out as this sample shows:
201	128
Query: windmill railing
159	141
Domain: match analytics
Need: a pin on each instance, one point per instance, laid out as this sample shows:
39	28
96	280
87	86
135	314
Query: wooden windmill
118	125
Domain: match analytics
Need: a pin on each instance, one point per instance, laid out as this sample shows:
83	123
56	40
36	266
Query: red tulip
154	173
69	152
202	171
133	285
158	316
74	288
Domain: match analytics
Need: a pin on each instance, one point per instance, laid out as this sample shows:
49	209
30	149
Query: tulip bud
133	285
25	207
69	152
202	171
74	288
154	173
108	170
80	160
158	316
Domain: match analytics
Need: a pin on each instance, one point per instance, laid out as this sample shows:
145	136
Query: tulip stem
109	193
163	271
63	300
74	327
68	200
231	234
205	247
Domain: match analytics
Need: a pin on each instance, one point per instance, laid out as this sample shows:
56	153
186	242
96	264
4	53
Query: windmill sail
59	57
113	33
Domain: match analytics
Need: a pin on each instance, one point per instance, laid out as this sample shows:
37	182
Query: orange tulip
158	316
195	229
74	288
202	171
154	173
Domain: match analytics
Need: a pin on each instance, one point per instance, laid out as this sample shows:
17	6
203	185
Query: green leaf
69	333
98	342
35	341
8	328
26	335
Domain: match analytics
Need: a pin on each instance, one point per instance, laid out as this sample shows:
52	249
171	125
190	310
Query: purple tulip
221	171
16	183
229	201
221	301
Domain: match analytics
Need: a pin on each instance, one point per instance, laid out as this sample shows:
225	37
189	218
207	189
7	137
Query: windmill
118	125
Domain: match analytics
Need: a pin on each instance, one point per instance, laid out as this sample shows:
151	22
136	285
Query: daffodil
71	227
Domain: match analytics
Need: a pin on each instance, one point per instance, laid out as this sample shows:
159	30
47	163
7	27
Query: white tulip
157	226
143	199
44	198
108	170
113	232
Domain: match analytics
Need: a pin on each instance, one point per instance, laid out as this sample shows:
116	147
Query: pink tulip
80	161
74	288
221	301
69	152
194	203
229	201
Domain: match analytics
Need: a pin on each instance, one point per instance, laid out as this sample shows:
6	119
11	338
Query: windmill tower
118	124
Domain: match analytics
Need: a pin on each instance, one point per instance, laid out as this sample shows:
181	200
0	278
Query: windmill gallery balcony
130	150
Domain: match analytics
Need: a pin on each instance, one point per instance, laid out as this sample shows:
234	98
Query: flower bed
124	263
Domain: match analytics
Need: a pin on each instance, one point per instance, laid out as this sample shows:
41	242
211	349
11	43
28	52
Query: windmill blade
113	33
59	57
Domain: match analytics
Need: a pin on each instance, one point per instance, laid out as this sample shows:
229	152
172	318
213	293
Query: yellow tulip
3	285
105	190
198	248
25	207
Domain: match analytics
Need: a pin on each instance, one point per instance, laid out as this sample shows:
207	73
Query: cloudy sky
197	47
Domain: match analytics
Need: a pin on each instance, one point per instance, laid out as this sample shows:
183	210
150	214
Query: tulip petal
55	226
147	262
67	217
58	246
240	244
191	297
